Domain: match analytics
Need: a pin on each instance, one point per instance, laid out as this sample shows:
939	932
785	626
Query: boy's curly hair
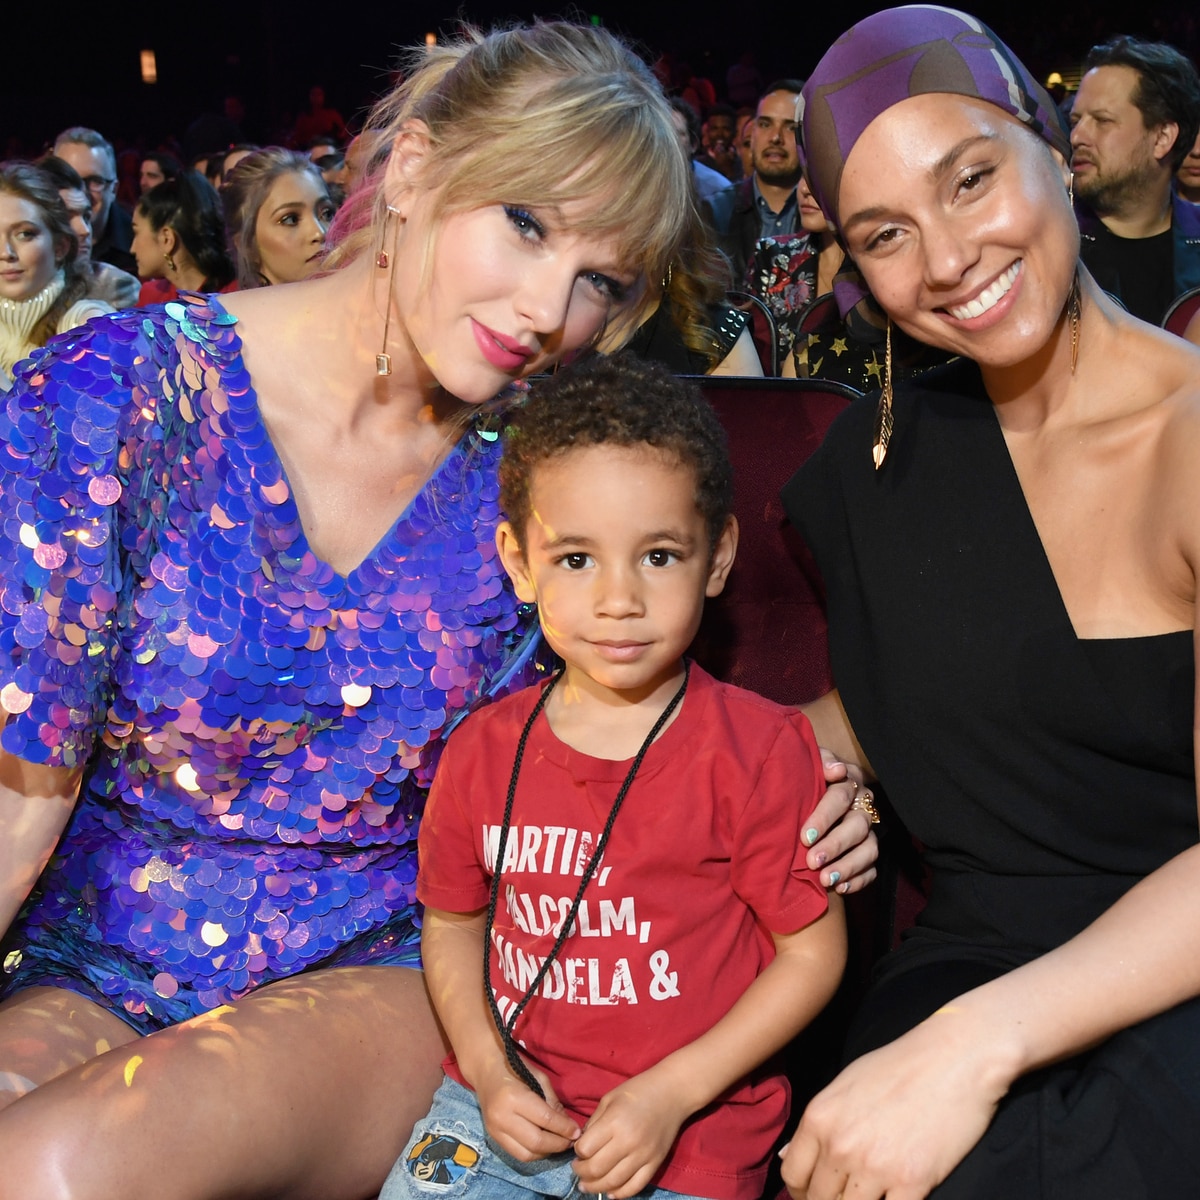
617	400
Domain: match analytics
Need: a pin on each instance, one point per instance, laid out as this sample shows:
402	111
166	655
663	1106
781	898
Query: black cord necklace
506	1027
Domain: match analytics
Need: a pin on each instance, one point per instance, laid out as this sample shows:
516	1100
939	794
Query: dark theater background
82	64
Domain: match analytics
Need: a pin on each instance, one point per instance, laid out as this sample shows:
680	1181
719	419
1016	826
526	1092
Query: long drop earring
1074	307
383	360
883	414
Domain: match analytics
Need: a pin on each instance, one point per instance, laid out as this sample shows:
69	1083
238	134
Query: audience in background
157	168
1136	189
105	282
317	121
179	240
718	134
713	190
43	285
277	213
93	157
231	158
765	203
1133	122
1187	178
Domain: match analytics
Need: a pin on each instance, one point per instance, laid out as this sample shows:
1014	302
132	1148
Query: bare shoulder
1176	494
1178	377
263	311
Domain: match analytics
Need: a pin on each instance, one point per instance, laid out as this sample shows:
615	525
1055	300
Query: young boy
700	942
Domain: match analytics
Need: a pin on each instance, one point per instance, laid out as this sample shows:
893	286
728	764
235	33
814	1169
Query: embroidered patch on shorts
440	1158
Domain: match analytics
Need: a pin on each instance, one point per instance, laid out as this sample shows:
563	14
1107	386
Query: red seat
1183	309
818	314
766	631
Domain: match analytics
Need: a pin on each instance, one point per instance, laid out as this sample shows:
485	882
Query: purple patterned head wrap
904	52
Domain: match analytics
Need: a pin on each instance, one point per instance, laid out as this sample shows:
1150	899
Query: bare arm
528	1127
35	802
742	359
635	1125
833	731
933	1092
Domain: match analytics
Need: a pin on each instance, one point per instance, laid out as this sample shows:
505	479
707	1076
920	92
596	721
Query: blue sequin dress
258	731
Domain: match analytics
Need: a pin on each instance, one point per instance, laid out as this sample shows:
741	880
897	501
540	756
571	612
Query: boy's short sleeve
451	875
60	555
768	869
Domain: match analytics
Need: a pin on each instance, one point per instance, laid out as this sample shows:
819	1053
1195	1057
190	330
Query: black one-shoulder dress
1045	775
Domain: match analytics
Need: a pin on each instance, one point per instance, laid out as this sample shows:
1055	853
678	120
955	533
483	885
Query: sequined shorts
75	960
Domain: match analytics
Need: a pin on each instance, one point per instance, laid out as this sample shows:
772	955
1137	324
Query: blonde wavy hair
541	116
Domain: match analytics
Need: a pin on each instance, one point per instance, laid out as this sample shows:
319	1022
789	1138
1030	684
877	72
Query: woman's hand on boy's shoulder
842	845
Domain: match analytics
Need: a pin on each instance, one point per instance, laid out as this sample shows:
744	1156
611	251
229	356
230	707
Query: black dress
1045	775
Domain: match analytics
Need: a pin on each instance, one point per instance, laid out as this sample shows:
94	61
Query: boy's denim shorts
450	1156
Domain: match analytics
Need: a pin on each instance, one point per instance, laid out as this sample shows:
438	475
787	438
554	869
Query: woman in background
43	283
277	213
179	240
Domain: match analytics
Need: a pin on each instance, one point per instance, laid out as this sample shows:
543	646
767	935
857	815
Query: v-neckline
1021	502
349	580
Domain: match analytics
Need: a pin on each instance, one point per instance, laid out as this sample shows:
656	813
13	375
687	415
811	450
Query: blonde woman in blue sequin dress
248	578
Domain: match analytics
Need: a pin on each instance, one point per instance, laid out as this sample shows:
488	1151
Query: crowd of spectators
146	211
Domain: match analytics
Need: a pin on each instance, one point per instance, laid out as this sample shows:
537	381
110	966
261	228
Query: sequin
260	730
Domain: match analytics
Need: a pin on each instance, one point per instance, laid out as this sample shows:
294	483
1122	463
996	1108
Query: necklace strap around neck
506	1027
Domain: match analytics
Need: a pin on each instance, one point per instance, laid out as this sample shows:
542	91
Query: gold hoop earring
170	261
883	414
384	261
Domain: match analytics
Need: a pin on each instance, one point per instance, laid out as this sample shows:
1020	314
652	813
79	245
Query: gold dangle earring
170	261
883	414
383	360
1074	307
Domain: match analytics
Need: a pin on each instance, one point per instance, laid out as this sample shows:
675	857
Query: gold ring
865	806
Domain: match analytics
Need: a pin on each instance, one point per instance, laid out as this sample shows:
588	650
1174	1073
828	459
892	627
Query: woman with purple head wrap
1010	548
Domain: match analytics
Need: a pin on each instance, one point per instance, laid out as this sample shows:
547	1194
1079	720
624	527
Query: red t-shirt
705	860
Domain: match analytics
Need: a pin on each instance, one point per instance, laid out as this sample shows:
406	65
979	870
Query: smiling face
1115	158
28	256
616	555
959	220
290	228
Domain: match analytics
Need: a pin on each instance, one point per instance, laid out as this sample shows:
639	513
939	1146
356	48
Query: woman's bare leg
45	1031
307	1088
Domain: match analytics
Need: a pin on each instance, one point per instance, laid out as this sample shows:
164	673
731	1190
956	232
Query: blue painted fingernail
810	836
835	877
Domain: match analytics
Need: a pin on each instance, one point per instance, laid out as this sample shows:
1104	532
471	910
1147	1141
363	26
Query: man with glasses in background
112	229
